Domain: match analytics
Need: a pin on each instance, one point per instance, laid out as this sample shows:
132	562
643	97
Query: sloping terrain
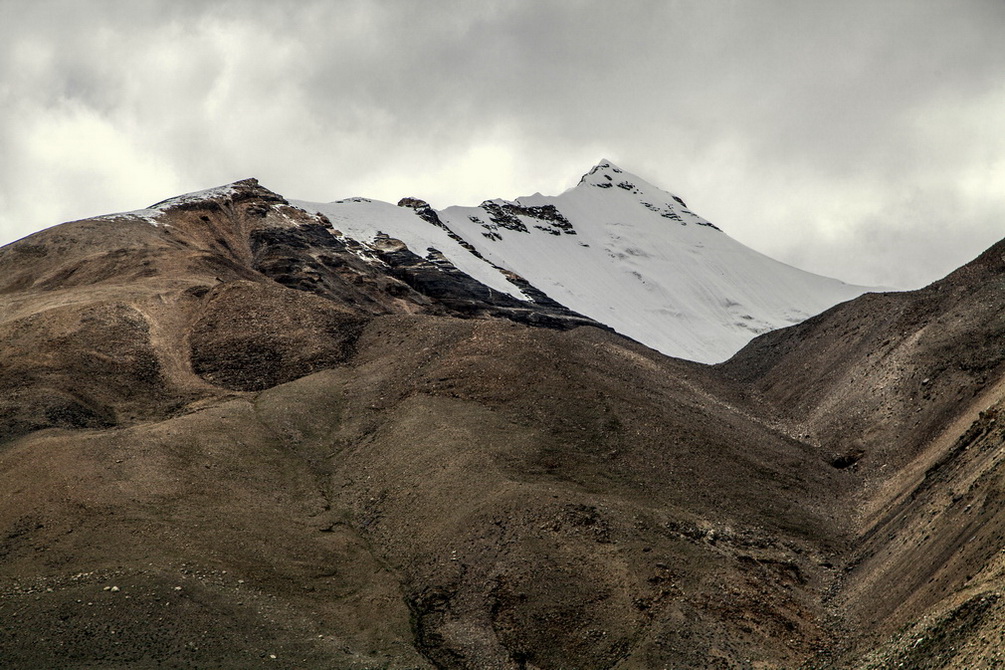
447	490
234	437
616	249
904	390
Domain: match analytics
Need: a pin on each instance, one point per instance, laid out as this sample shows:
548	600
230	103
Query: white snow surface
644	264
627	254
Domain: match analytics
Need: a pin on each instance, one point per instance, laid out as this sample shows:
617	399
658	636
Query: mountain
616	249
906	389
237	433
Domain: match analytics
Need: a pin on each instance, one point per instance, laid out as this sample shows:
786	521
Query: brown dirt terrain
232	441
904	391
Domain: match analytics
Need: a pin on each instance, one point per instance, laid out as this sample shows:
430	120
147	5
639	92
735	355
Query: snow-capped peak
607	175
633	256
605	169
614	248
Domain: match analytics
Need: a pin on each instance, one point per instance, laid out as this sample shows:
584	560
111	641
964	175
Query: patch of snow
153	213
151	216
225	191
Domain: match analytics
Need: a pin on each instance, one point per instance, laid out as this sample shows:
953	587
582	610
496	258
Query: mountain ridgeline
241	431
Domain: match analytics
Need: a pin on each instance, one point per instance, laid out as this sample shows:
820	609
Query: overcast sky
861	140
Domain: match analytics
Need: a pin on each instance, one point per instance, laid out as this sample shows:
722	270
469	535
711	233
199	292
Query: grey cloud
848	138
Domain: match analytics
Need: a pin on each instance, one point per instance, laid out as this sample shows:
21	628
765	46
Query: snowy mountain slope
363	220
624	252
614	248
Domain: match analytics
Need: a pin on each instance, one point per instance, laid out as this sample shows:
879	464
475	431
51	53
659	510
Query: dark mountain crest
989	266
235	192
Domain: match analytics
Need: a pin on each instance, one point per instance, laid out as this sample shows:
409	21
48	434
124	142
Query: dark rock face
429	215
507	215
238	439
252	336
436	278
308	257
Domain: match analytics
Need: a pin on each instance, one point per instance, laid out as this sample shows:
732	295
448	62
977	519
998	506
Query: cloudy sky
862	140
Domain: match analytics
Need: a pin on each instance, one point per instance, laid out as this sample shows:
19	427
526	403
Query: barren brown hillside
239	439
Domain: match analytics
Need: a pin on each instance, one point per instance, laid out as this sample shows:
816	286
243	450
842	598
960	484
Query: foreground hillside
905	389
235	439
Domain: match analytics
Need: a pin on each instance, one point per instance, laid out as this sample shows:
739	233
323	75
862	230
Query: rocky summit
241	431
